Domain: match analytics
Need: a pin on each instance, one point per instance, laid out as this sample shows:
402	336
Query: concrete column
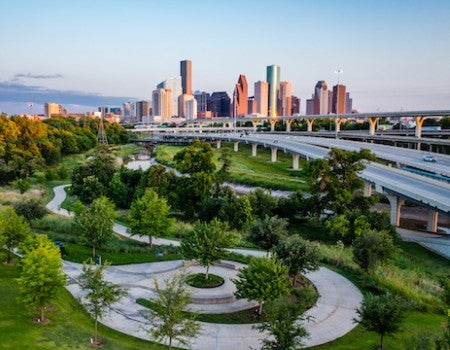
309	123
218	144
432	224
288	125
367	189
273	157
272	124
255	125
236	146
419	123
418	146
254	147
396	206
295	158
372	125
337	123
430	148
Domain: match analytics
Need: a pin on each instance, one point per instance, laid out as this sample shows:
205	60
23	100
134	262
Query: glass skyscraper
273	78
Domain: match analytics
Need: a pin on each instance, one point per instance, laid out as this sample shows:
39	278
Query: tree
236	210
167	316
264	279
149	216
282	323
262	203
382	314
196	158
95	222
101	294
371	248
206	243
41	275
299	255
267	232
31	209
14	229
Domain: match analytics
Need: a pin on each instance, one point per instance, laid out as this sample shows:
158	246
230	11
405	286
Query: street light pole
337	72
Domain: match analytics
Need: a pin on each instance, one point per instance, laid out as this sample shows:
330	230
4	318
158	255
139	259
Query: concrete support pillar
272	124
367	189
288	125
430	148
309	123
218	144
418	146
200	125
236	146
254	148
273	157
372	125
337	123
419	123
396	206
295	158
432	224
255	125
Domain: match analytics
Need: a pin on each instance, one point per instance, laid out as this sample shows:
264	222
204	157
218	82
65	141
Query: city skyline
393	54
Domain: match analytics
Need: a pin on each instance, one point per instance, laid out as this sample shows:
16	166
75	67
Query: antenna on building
101	135
30	106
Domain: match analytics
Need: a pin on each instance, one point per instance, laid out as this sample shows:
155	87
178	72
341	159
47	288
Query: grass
70	328
198	280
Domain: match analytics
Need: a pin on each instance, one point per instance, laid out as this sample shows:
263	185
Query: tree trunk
42	314
95	329
150	242
170	342
260	308
294	280
207	272
93	252
381	341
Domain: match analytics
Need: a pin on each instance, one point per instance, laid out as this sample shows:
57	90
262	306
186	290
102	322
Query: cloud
36	76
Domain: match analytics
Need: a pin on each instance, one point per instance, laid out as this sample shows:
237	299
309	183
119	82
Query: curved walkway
331	317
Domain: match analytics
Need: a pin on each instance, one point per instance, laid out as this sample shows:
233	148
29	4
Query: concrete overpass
397	184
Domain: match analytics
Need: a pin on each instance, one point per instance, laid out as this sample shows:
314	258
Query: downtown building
143	111
285	99
173	84
54	109
219	104
162	104
273	79
240	98
262	98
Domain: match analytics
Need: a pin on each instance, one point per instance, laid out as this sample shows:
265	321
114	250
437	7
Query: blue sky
84	53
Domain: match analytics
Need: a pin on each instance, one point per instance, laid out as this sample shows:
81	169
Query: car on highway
429	158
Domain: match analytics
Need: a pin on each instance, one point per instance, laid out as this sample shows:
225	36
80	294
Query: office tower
219	104
295	105
285	98
186	108
162	103
252	105
142	110
330	101
116	110
53	109
348	103
103	110
202	100
186	76
261	97
173	84
321	98
310	106
240	97
339	99
127	110
273	79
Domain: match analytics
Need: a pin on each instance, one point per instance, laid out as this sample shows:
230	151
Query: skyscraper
186	107
219	104
240	97
273	79
162	103
54	109
186	76
339	99
285	98
295	105
142	110
321	98
261	97
348	103
202	100
173	84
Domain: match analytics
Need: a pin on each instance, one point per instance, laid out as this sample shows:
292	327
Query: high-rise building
173	84
240	97
273	79
162	103
186	108
202	100
285	99
348	103
127	110
219	104
321	98
339	99
310	103
252	105
53	109
295	105
261	97
142	110
186	76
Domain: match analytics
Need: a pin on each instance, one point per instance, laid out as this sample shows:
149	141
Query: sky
394	54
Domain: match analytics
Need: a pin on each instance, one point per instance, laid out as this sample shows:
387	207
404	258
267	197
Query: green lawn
70	326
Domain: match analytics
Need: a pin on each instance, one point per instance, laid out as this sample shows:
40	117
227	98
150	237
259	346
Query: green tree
41	275
299	255
382	314
14	229
196	158
267	232
282	323
22	185
372	248
264	279
236	210
95	222
149	216
31	209
100	294
262	203
167	316
207	242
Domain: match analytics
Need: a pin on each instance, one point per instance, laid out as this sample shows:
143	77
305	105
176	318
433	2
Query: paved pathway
331	317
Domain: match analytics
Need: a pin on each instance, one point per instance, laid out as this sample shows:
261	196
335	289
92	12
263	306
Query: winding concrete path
331	317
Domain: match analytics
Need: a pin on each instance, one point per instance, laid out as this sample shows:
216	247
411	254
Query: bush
31	209
372	248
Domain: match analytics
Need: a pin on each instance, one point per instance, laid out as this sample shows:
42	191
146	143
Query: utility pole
101	135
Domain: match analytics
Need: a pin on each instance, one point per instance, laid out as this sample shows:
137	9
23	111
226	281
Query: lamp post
337	72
